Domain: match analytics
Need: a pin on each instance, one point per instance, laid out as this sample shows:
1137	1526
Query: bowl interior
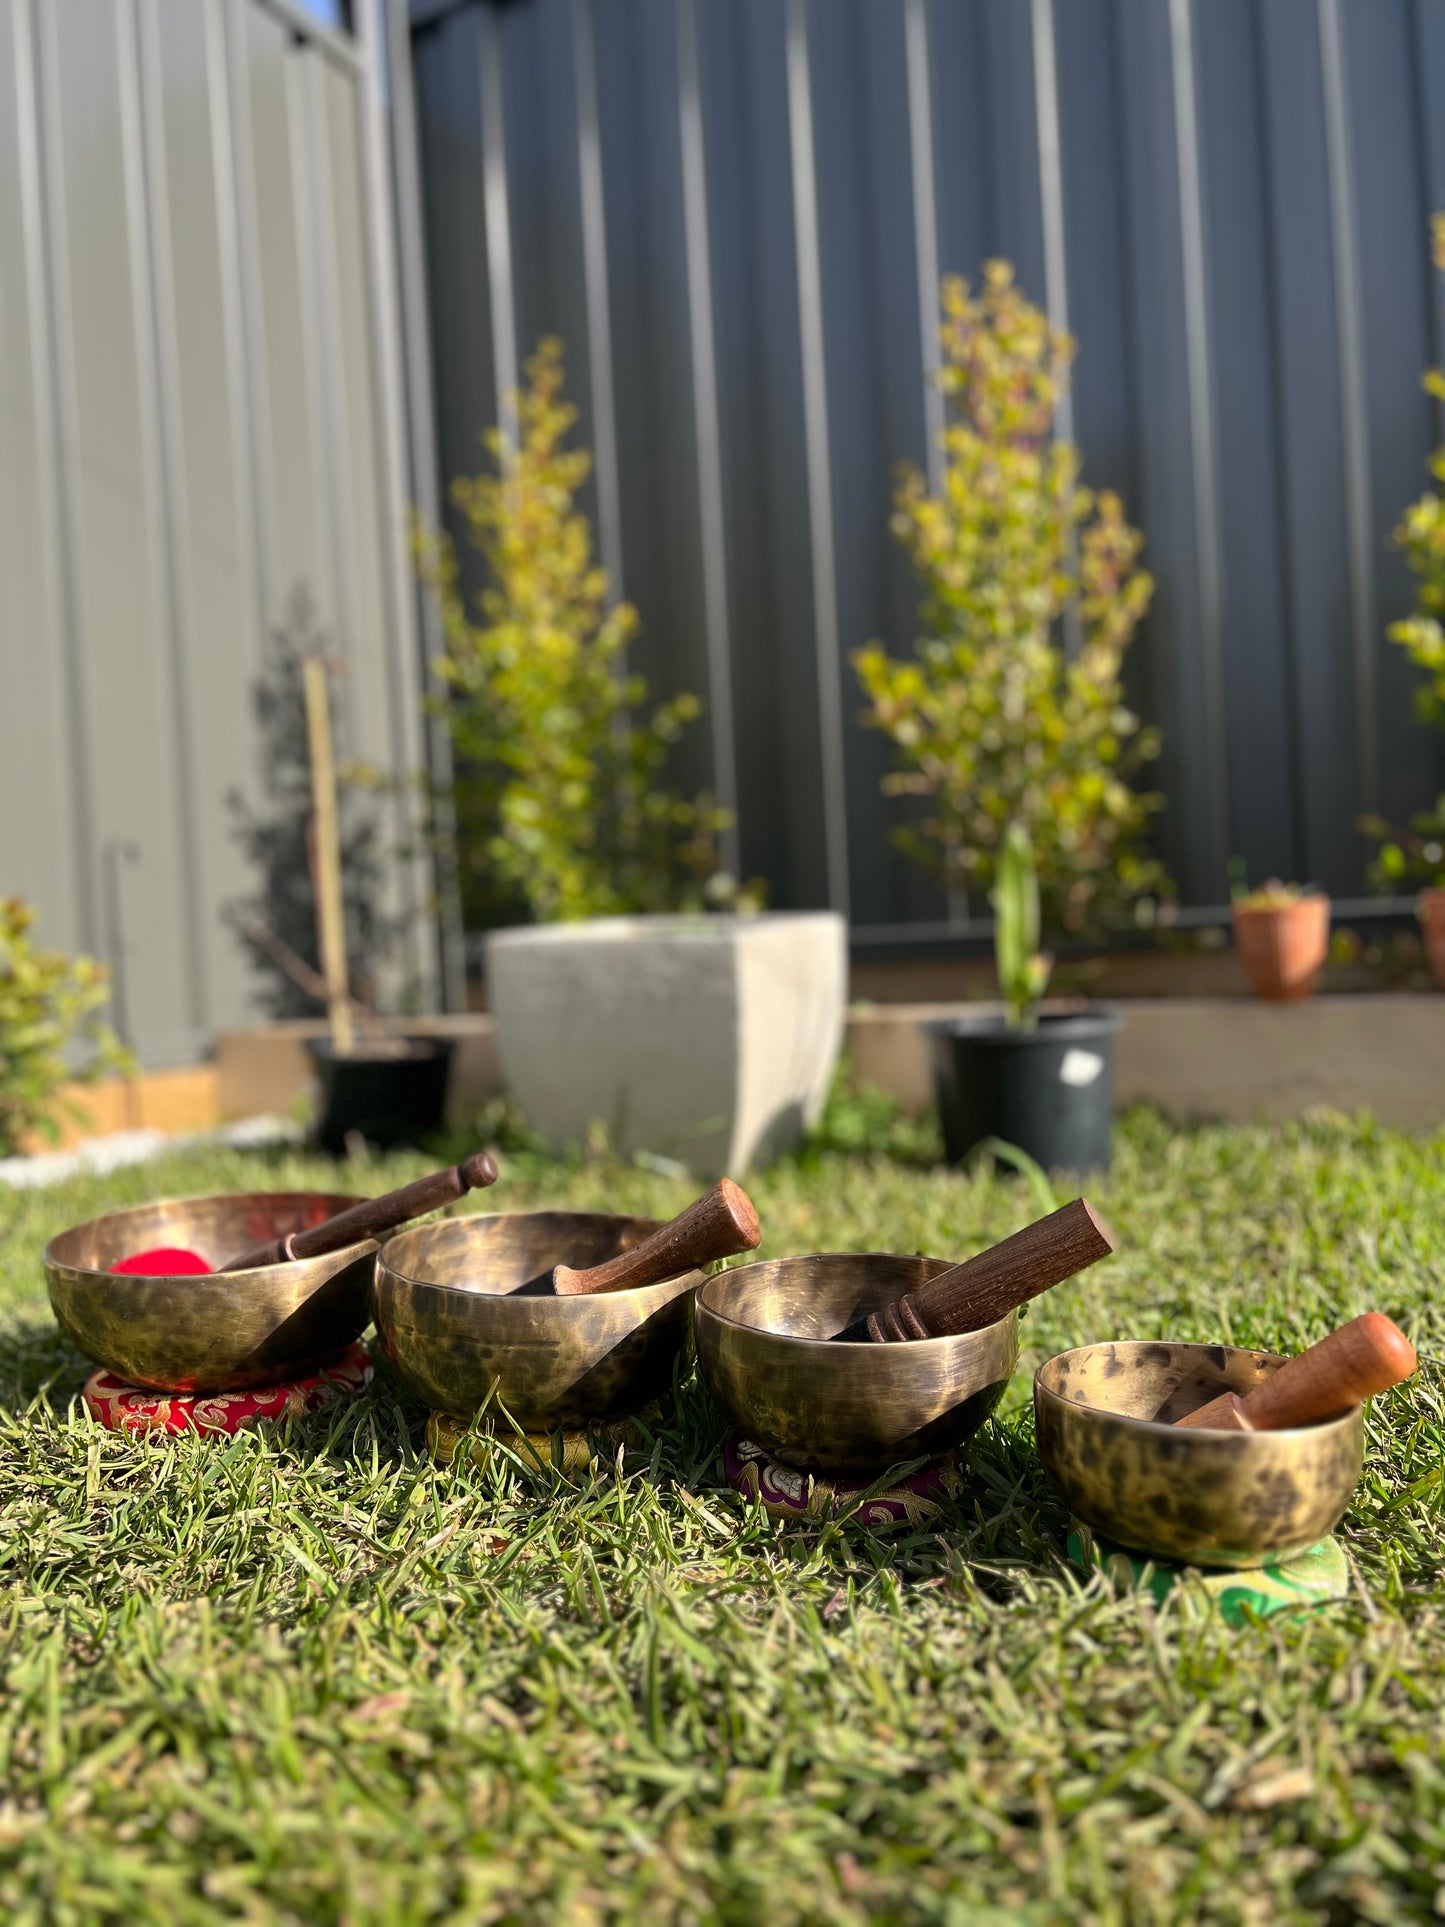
814	1297
511	1254
219	1228
1158	1384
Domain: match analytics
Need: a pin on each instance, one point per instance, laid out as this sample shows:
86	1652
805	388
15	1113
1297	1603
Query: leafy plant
1023	969
1421	534
994	721
1413	856
860	1120
277	921
1269	895
1416	855
50	1030
561	797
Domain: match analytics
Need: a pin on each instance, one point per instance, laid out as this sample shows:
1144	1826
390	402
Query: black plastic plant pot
392	1092
1047	1091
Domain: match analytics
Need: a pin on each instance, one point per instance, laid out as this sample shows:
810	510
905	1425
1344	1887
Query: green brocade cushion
1311	1578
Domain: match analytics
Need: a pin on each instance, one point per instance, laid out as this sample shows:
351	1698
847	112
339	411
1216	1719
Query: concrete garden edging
1219	1057
266	1068
708	1040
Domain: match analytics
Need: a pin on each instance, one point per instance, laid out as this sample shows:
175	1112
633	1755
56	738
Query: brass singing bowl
1104	1420
763	1347
218	1334
454	1320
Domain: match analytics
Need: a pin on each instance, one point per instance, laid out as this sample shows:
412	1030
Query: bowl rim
285	1269
1078	1021
665	1289
1321	1428
669	926
914	1345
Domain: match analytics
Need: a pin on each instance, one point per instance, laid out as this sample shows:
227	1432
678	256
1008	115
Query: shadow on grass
36	1357
677	1442
1006	1522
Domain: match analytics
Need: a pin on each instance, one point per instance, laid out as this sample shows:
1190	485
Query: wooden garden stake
330	911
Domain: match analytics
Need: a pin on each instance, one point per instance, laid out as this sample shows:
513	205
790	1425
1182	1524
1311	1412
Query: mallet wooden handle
1364	1357
720	1223
373	1216
991	1284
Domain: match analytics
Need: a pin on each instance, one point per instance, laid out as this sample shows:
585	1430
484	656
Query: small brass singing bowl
456	1319
210	1334
764	1348
1104	1420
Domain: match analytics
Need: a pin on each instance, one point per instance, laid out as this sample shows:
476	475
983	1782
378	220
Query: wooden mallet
373	1216
986	1287
1368	1355
719	1224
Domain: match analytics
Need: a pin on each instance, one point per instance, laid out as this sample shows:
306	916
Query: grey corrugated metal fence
736	211
199	407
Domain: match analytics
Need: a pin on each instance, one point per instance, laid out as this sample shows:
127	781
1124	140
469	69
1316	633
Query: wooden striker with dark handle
1368	1355
374	1215
986	1287
718	1225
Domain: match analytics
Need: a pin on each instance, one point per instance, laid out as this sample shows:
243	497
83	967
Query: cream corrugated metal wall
200	407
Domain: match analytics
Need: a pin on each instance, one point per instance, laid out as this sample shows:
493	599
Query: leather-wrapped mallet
1368	1355
719	1224
987	1287
373	1216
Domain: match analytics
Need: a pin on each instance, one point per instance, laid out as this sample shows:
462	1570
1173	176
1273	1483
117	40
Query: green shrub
560	788
1417	855
48	1008
1421	534
993	723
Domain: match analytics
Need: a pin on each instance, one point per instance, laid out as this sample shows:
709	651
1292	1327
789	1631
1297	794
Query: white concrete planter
710	1040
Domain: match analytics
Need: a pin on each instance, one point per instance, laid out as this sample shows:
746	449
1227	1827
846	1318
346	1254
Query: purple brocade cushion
788	1493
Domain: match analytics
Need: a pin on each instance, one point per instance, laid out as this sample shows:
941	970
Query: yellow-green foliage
1417	854
48	1005
560	791
992	722
1421	534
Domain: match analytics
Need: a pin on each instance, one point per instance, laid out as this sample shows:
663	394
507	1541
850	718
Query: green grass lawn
311	1677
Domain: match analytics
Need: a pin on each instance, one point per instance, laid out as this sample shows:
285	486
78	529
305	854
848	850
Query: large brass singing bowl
454	1319
763	1346
218	1334
1104	1421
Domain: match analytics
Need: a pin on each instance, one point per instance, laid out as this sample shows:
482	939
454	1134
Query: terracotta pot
1283	946
1431	910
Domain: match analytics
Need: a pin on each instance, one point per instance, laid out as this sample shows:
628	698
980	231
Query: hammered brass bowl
455	1318
218	1334
763	1333
1104	1419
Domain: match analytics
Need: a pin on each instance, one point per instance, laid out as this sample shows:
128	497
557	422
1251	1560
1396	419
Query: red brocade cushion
166	1261
121	1407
